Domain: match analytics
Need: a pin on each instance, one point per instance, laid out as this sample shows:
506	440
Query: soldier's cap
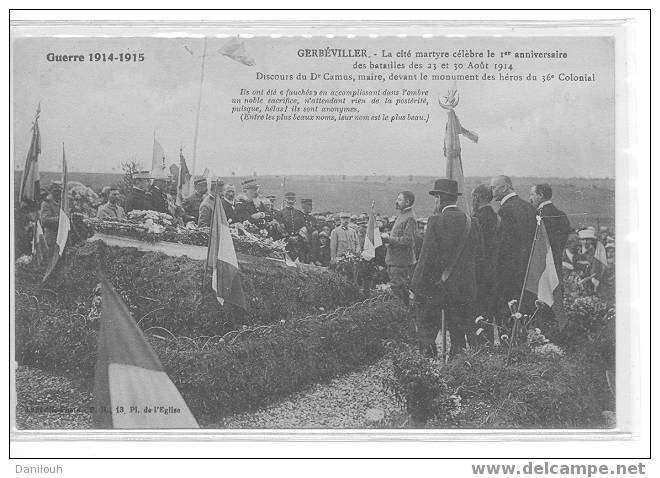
200	181
250	184
305	201
344	215
362	222
290	195
323	234
271	196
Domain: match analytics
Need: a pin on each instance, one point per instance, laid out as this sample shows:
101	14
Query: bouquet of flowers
82	199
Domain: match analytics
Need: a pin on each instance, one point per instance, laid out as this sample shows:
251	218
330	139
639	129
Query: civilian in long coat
556	222
446	244
517	235
489	223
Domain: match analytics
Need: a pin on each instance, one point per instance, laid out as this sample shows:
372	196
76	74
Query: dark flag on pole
30	187
131	388
452	146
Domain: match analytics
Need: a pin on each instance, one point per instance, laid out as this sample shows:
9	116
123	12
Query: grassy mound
477	390
228	375
167	291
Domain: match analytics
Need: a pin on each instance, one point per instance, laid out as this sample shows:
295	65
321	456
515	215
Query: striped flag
599	264
542	279
222	258
39	245
372	239
452	146
30	191
184	183
131	388
64	225
235	49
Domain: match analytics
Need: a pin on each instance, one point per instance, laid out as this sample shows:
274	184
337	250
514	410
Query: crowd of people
464	265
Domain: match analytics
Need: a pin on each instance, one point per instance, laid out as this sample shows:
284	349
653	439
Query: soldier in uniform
251	208
292	221
312	240
343	238
138	198
272	198
206	208
191	204
445	276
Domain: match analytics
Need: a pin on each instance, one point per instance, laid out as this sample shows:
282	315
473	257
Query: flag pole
522	292
208	245
199	107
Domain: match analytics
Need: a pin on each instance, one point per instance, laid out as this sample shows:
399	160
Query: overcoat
443	239
401	245
137	199
517	234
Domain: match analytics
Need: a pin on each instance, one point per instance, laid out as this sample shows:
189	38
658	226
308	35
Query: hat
250	184
305	201
54	187
362	222
445	186
271	196
290	195
344	214
200	181
587	234
323	234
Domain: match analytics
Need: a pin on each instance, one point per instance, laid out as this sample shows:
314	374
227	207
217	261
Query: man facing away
111	209
489	223
556	222
400	242
445	276
517	235
343	239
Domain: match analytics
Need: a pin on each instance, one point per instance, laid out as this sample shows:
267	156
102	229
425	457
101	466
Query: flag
184	183
222	258
599	264
131	388
39	245
452	146
235	49
542	279
158	169
372	239
30	191
64	225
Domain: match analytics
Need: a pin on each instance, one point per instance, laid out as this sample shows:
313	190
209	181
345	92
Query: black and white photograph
230	230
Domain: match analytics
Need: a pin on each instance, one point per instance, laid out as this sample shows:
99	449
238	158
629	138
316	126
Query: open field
591	200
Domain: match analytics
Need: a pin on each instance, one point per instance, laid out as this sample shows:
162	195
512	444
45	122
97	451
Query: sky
107	113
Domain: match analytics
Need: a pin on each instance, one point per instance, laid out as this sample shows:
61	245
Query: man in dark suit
556	222
228	202
138	198
445	276
489	223
517	235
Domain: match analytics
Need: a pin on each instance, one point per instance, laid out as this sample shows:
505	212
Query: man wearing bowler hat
444	280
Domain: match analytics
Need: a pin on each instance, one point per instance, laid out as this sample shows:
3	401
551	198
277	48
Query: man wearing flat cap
191	204
293	226
445	276
206	208
138	198
343	238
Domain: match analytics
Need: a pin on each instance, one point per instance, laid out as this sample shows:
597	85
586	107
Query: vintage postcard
231	230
